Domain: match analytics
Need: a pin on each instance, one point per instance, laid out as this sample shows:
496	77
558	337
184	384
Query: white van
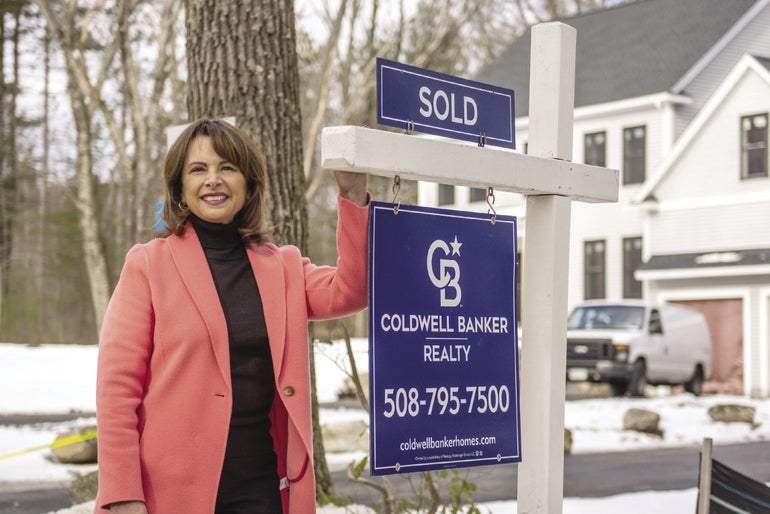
631	343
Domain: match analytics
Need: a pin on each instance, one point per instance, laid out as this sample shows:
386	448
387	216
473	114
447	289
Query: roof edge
715	50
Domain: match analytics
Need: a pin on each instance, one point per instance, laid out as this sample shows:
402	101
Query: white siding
703	202
726	227
611	222
711	165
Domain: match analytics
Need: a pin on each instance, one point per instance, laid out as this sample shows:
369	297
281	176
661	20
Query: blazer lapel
191	262
269	274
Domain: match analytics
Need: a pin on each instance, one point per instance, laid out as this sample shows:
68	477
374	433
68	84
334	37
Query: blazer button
288	390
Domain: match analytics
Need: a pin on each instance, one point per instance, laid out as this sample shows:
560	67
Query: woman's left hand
352	186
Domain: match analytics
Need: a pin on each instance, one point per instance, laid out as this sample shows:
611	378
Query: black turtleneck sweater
249	479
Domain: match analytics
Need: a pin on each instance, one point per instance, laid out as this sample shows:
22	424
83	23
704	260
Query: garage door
725	322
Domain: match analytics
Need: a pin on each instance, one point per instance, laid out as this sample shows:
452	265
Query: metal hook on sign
409	127
491	203
396	190
482	139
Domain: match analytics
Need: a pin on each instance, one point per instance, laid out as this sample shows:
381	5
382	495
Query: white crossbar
415	157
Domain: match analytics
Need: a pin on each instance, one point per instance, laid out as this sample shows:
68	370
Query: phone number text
403	402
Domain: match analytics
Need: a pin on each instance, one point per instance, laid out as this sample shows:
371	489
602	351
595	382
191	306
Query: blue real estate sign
416	99
444	385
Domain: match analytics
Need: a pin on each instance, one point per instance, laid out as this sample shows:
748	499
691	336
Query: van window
656	325
621	317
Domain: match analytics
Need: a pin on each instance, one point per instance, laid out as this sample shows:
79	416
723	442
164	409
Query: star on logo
455	246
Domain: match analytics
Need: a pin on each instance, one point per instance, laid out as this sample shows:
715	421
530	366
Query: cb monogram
448	279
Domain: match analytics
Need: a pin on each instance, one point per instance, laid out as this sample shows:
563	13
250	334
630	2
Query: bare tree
145	105
70	30
4	211
98	42
8	157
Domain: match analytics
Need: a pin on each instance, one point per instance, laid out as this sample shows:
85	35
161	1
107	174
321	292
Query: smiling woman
213	188
215	171
203	385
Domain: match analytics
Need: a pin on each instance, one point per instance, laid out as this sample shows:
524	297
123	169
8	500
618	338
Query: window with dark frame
594	269
634	154
446	194
754	146
632	259
595	149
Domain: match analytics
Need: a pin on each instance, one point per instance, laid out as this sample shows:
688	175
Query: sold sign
420	100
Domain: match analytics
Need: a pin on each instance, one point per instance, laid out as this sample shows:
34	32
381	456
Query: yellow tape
61	442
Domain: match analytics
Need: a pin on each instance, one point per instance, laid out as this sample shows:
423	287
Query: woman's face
213	188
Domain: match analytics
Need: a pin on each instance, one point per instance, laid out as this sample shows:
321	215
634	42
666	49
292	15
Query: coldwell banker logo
448	278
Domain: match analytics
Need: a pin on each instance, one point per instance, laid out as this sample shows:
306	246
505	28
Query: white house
676	95
707	224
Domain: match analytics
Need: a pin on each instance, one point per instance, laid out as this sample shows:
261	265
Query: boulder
83	487
642	420
732	413
78	451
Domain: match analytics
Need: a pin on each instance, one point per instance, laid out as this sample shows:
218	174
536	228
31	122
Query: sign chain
491	203
396	189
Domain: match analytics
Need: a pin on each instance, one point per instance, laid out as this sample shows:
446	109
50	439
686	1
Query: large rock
83	487
642	420
77	452
732	413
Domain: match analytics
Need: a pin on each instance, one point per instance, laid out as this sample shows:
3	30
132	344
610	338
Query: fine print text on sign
443	353
416	99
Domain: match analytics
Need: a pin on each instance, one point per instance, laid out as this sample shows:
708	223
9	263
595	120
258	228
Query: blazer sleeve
125	347
334	292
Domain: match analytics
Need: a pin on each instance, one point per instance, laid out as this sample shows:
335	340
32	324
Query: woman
203	388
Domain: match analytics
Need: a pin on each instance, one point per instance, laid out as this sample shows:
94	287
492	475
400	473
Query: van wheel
619	388
638	381
695	384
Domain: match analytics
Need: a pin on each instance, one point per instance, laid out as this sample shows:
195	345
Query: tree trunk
42	186
93	250
242	62
4	215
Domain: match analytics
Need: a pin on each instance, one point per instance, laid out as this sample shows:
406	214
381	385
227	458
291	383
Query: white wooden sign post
550	181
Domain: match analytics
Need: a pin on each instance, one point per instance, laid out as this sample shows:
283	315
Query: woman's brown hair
234	145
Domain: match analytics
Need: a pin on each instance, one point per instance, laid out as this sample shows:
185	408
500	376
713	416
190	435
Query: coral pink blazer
163	386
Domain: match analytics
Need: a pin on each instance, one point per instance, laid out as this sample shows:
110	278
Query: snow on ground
54	379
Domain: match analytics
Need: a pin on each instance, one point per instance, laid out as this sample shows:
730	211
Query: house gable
705	161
